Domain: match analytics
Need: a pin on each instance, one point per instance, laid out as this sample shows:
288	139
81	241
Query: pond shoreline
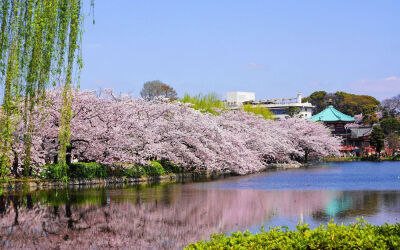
29	185
353	159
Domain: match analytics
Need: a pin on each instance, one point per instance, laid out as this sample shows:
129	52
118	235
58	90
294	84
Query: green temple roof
330	114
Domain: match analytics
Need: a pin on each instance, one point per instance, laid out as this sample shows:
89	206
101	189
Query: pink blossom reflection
161	218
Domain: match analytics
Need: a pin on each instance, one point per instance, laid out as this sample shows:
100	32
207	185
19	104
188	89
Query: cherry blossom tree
108	129
310	138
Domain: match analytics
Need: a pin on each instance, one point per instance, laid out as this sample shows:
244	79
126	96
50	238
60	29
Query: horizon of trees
347	103
353	104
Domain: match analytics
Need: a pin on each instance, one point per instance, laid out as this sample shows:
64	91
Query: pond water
169	216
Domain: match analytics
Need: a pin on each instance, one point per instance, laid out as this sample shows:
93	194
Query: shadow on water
169	216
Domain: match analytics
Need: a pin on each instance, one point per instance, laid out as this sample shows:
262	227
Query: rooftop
357	132
330	114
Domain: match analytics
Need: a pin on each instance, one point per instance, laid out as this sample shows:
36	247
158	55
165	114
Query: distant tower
299	97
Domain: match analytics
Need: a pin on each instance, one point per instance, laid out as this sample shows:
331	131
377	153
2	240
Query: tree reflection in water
163	217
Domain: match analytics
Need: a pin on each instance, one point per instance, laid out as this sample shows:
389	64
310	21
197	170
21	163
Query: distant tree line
385	116
350	104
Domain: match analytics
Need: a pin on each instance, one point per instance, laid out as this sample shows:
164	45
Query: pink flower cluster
110	129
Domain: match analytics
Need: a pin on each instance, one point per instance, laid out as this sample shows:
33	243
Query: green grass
360	235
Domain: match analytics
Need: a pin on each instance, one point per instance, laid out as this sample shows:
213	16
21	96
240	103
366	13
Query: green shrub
135	171
360	235
154	169
396	157
170	167
373	157
96	170
87	170
116	170
52	171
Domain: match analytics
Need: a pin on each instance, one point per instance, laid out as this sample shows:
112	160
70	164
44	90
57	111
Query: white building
279	107
235	99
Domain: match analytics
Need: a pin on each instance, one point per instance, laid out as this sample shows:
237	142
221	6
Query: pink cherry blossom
109	129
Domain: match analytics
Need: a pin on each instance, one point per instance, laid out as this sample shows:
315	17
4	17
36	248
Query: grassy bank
95	175
360	235
82	170
363	158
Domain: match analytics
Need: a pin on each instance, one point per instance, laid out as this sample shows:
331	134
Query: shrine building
334	119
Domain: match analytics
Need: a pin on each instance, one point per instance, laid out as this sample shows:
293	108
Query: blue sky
273	48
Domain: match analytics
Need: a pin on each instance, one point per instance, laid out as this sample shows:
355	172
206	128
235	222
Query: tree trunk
14	169
68	156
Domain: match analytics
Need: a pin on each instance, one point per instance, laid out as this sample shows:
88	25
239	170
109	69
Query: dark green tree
347	103
390	125
292	111
318	99
377	139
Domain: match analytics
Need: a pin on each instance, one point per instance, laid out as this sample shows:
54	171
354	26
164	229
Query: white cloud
392	78
257	66
379	88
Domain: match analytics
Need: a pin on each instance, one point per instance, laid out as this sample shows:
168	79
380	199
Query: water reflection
333	176
171	216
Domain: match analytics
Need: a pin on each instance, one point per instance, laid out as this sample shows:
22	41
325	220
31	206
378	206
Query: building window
278	111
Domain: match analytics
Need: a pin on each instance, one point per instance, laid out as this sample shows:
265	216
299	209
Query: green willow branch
39	40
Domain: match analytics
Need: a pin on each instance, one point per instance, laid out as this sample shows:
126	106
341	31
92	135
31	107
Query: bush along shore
360	235
93	174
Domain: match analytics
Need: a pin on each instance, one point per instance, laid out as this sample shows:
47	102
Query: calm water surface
170	216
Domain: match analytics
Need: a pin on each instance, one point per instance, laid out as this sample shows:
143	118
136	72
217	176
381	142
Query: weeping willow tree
258	110
208	103
39	45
